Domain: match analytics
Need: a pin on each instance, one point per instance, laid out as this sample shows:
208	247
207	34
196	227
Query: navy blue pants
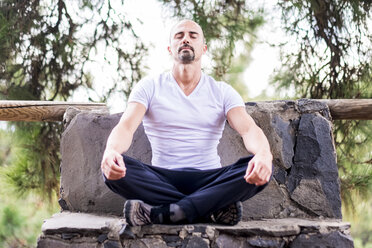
197	192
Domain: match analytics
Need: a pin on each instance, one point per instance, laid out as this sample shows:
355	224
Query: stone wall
81	230
305	183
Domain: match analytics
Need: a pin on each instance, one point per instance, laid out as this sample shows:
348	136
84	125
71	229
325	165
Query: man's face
187	42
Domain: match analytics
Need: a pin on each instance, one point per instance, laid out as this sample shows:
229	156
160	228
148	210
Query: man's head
187	42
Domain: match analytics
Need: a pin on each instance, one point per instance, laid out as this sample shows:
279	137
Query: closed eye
178	35
194	35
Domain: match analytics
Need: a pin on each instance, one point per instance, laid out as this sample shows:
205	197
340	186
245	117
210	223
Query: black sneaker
138	213
229	215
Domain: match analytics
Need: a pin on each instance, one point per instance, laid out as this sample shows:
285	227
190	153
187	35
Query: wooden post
350	109
41	110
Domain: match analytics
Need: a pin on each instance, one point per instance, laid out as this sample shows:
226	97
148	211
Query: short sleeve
142	92
231	98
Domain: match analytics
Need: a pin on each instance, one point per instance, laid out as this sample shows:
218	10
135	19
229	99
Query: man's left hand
259	169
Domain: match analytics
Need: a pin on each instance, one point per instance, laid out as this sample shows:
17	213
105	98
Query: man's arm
260	166
119	141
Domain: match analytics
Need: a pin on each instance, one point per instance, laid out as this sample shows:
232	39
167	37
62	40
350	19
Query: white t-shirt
184	131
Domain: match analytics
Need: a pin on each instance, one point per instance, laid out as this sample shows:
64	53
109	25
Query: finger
106	172
260	170
249	169
120	161
267	175
268	178
114	175
260	180
260	183
265	179
260	173
253	176
115	167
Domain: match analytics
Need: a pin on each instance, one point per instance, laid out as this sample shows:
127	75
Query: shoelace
226	215
143	216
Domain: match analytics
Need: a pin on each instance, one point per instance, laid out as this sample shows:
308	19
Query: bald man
183	113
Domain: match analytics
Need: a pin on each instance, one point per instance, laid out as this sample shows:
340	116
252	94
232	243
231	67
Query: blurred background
61	50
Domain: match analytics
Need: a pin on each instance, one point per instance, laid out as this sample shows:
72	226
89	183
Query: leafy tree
5	141
46	50
330	57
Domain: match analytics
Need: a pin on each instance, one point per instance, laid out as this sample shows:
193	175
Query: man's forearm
119	140
121	135
256	142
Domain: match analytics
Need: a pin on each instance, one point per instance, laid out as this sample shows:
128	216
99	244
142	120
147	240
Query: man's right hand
112	165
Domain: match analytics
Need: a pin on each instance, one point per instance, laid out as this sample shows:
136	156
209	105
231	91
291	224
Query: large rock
315	161
82	145
300	135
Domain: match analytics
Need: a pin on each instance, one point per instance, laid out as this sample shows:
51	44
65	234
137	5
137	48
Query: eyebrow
190	32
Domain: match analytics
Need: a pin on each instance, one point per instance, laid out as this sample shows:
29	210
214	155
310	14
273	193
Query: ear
169	50
205	49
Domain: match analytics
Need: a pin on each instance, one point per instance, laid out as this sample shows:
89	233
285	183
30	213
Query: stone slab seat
68	229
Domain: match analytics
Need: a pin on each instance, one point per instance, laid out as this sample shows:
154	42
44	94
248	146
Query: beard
186	56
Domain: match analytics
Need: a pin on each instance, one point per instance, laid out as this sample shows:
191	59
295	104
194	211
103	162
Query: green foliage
353	142
21	218
235	74
46	50
47	46
9	223
330	52
5	154
360	220
35	167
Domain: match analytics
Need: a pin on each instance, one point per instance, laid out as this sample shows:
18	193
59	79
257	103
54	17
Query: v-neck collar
192	92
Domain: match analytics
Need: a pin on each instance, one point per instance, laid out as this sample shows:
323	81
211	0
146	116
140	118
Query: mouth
185	47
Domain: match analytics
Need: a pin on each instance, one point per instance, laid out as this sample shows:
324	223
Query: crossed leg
197	192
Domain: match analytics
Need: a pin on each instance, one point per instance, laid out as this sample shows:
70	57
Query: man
184	113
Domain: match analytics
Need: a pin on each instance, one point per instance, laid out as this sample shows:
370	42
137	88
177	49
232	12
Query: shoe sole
239	208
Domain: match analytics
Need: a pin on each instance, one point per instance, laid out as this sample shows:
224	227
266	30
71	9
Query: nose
185	40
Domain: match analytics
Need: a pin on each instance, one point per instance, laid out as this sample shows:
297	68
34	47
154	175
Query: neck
187	76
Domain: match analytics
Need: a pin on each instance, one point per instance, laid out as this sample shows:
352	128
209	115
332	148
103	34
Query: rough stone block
259	206
49	242
228	241
82	145
333	239
309	193
315	158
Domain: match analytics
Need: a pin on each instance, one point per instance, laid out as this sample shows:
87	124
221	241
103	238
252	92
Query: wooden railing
41	110
350	109
341	109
